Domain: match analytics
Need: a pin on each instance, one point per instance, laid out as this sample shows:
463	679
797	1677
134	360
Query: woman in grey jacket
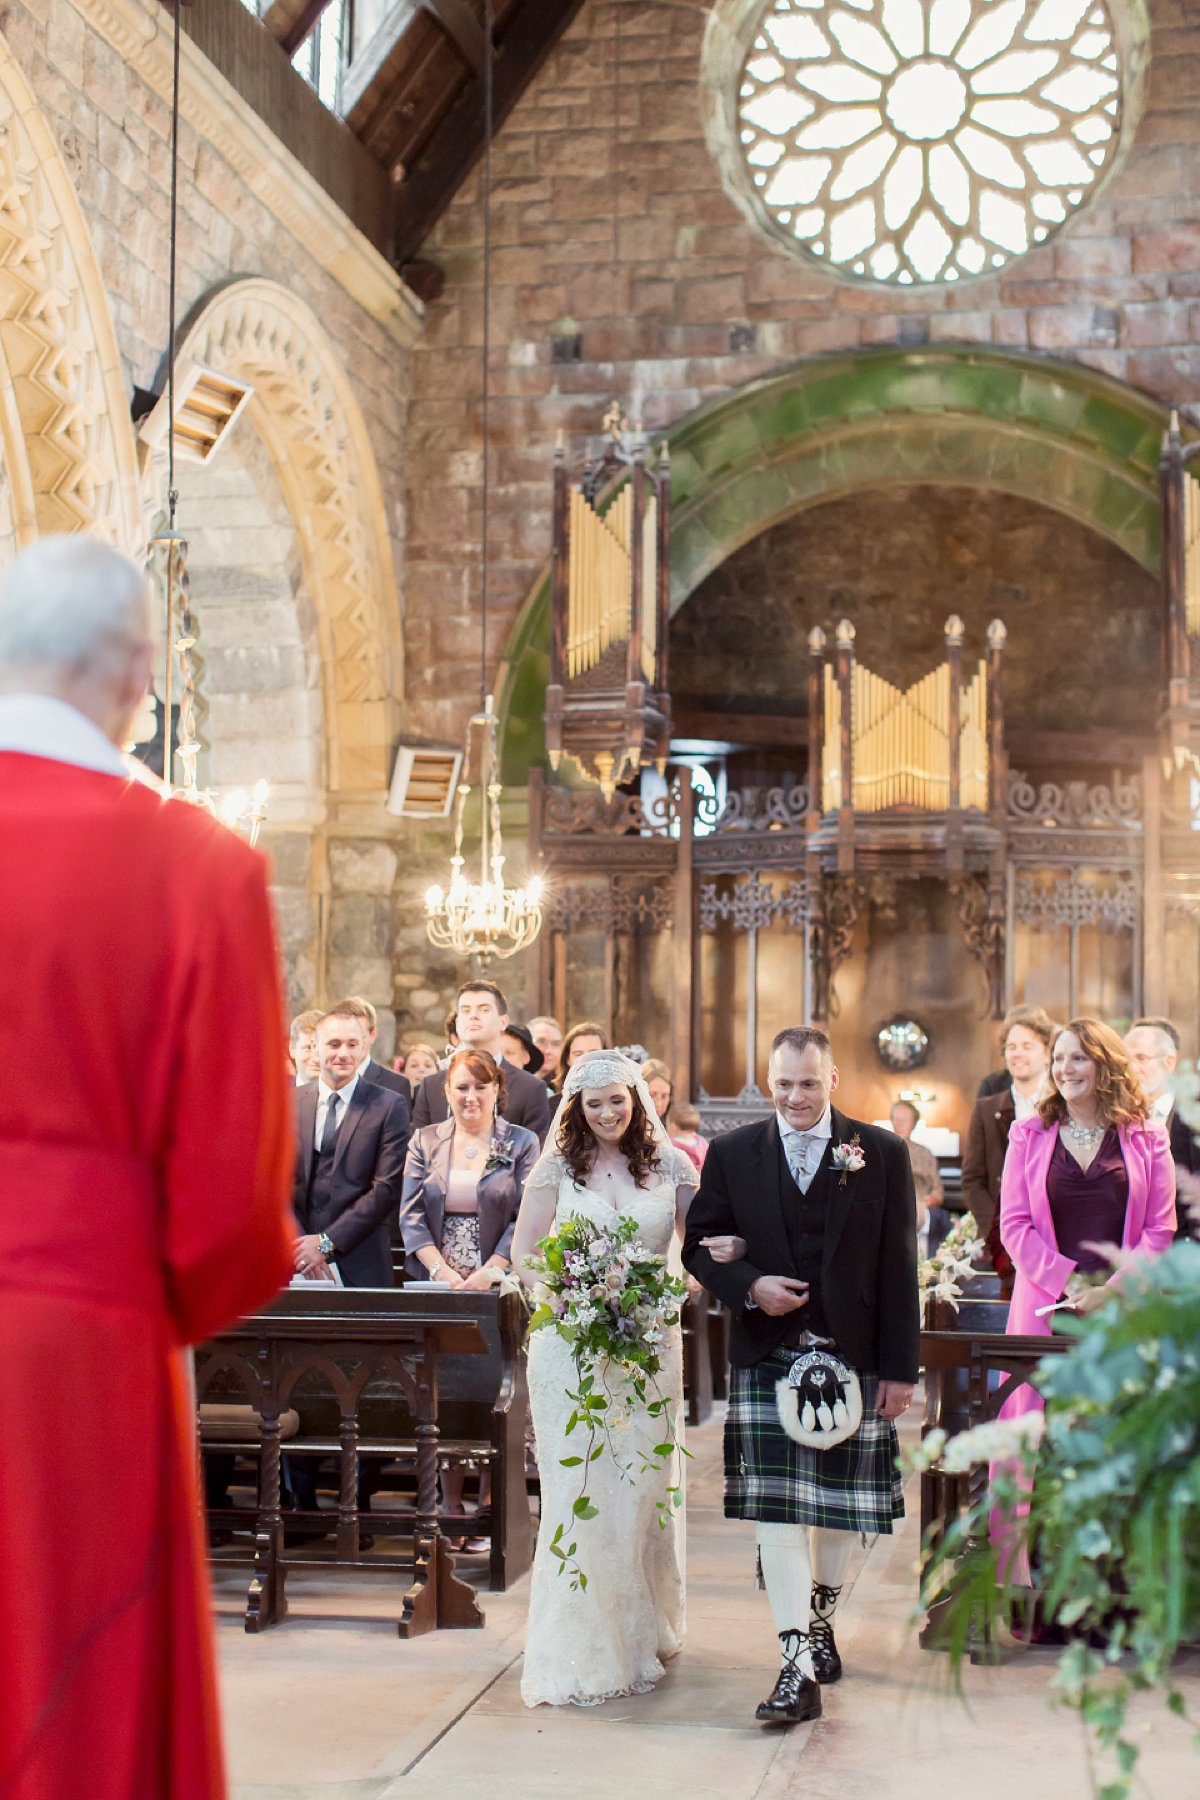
464	1179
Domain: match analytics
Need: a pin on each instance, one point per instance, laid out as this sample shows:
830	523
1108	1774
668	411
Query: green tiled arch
1052	432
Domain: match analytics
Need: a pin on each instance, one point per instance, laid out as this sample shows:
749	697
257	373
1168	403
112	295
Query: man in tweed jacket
826	1210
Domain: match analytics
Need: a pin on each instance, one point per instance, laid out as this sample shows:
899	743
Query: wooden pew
401	1379
968	1376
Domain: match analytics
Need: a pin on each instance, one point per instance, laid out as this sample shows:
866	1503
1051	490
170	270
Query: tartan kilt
855	1486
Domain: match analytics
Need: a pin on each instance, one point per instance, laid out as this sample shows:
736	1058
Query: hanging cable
616	152
172	495
487	296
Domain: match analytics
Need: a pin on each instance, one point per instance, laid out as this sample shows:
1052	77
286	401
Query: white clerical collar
41	725
822	1129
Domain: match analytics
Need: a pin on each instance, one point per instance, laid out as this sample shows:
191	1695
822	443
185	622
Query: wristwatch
325	1245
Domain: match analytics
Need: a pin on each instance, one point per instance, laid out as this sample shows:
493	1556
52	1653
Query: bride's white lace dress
614	1636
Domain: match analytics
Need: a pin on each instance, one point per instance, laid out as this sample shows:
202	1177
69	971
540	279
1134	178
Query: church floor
331	1706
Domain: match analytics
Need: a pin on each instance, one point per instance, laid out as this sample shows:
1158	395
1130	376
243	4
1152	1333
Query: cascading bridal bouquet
613	1302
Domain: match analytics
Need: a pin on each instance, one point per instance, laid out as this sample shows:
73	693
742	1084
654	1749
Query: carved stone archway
309	419
65	429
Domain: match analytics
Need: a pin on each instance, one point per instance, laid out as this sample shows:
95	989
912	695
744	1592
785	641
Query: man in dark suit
370	1071
351	1139
1029	1034
1153	1046
479	1024
825	1209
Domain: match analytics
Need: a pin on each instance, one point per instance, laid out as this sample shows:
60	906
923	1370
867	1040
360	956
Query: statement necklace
1088	1137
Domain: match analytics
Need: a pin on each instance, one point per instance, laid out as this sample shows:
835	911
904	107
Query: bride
607	1153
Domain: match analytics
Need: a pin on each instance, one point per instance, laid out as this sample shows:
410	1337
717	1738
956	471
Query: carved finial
816	640
1174	420
844	632
997	634
560	446
612	421
664	456
954	629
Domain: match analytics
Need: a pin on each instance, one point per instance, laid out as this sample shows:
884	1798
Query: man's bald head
75	623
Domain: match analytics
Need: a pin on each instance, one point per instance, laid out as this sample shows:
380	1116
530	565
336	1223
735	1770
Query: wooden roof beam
290	21
430	185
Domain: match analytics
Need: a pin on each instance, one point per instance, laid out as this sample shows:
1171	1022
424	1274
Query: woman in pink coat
1089	1168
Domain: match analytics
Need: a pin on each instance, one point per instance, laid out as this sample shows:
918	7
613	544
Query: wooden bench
968	1375
380	1379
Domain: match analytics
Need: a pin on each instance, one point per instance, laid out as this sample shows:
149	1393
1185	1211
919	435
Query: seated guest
1153	1046
464	1179
420	1060
480	1024
302	1046
685	1132
578	1042
658	1081
547	1034
1028	1035
933	1220
462	1191
372	1072
350	1142
518	1046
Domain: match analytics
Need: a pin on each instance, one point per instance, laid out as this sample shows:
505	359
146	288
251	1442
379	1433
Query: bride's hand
725	1249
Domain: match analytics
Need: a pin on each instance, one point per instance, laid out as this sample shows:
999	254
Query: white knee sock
830	1555
787	1575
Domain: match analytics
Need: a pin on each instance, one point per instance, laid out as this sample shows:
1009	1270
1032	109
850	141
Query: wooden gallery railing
391	1377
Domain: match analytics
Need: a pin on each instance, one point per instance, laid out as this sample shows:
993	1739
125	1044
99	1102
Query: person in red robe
145	1161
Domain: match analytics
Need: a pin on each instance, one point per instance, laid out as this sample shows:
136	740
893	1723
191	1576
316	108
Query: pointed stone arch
65	429
306	413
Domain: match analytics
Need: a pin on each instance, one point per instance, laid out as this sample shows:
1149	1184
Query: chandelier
483	918
241	812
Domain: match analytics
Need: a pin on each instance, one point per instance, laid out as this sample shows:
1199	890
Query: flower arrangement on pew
613	1302
938	1276
1104	1496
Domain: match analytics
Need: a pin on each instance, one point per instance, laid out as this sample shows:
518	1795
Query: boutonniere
849	1158
500	1156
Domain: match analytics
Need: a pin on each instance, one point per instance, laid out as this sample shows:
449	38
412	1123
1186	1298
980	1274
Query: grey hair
70	601
799	1037
1166	1030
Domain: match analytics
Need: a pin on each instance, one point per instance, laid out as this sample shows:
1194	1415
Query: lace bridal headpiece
599	1069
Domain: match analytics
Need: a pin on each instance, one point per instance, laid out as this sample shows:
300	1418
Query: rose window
916	141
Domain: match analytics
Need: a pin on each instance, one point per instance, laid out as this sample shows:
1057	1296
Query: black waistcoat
320	1176
805	1217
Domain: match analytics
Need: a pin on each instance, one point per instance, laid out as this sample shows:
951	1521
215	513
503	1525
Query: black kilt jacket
869	1265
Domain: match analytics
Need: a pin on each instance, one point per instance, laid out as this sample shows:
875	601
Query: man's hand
894	1397
309	1261
779	1294
725	1249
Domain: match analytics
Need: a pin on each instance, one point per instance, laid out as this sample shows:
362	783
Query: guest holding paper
464	1180
1089	1168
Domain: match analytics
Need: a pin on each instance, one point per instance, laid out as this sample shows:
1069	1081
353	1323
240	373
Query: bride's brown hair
578	1146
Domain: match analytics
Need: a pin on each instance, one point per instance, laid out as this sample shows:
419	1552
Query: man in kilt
826	1211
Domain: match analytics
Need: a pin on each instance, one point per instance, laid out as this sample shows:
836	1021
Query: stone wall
700	303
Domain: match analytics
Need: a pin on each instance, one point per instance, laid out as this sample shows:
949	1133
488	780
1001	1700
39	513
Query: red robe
145	1162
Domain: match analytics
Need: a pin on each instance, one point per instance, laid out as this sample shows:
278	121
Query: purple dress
1088	1205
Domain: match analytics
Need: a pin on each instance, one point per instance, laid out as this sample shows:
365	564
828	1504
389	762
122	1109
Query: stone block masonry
662	329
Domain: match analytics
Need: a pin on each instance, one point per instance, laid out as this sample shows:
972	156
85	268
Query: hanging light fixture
240	811
483	918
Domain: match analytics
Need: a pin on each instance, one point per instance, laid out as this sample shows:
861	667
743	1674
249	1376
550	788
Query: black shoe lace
824	1601
820	1633
794	1644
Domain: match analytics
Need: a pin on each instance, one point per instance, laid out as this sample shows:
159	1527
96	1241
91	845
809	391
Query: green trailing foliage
1113	1523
